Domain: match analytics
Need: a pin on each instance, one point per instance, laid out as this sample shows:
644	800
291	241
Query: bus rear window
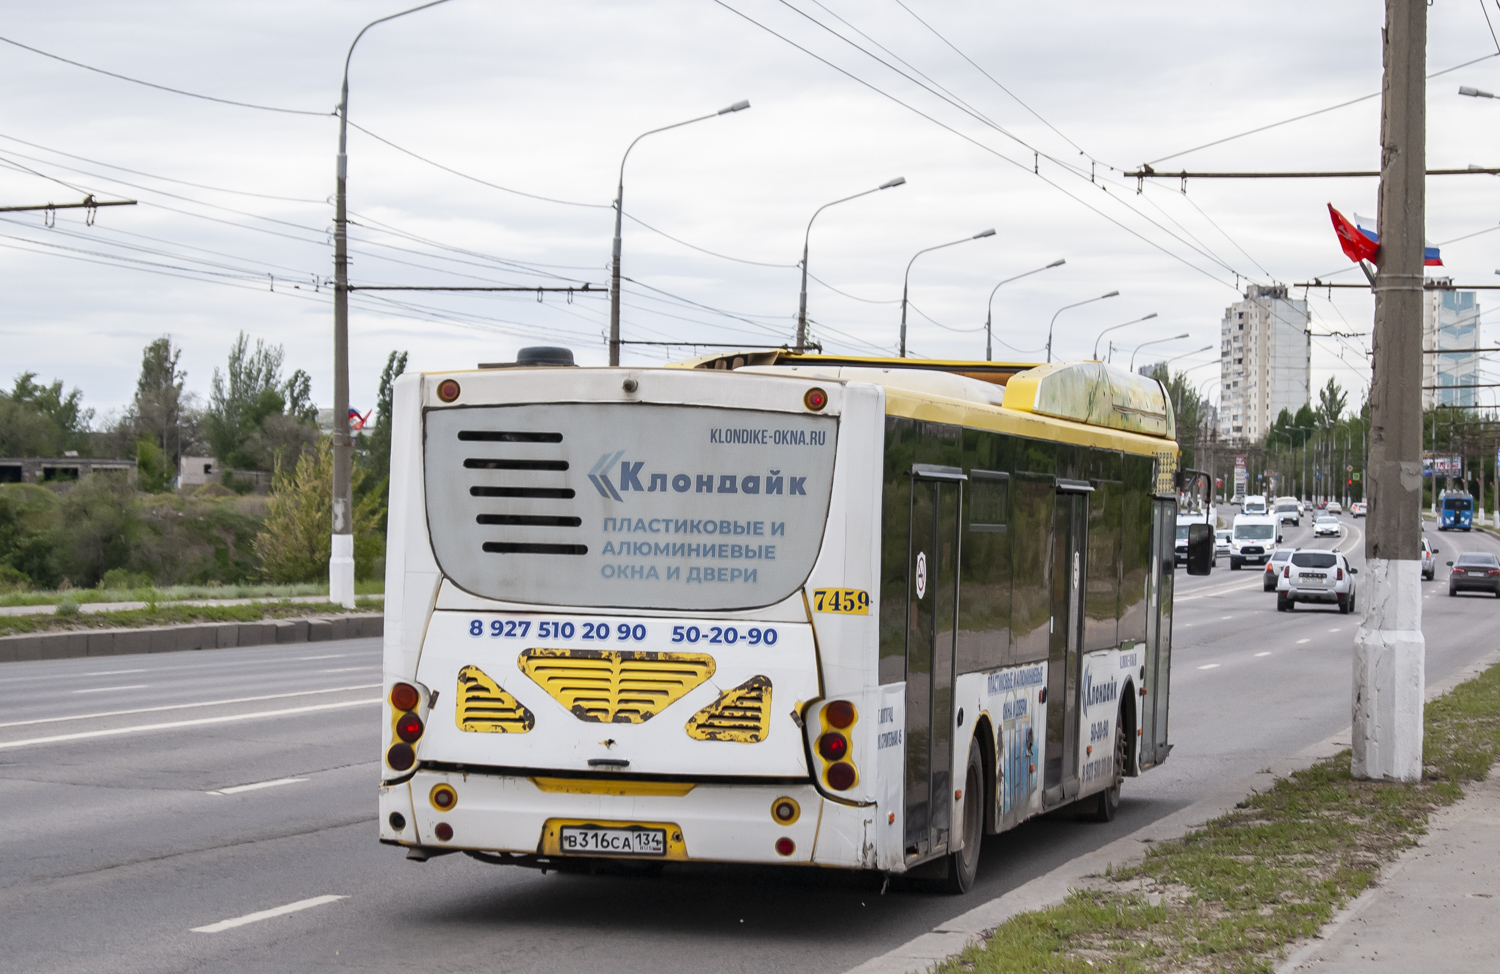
627	505
1457	504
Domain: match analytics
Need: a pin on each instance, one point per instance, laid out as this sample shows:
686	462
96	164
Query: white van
1254	504
1287	509
1252	539
1183	520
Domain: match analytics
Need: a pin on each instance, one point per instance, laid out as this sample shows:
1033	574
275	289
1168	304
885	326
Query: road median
1237	892
172	628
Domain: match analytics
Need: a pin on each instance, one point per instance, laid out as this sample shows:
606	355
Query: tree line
257	417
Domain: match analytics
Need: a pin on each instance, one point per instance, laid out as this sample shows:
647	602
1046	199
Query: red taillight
785	846
1286	572
409	727
1495	571
833	746
840	714
1338	575
443	831
841	776
400	757
404	696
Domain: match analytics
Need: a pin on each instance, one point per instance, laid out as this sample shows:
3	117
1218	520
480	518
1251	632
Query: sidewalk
1436	910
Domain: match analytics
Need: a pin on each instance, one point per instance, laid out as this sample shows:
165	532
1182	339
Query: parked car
1358	509
1326	524
1319	576
1429	564
1274	567
1475	571
1221	544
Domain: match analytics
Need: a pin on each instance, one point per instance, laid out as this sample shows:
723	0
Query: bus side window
984	574
1030	531
895	532
1135	549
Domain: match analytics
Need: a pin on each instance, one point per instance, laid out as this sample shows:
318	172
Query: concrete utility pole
1389	650
341	555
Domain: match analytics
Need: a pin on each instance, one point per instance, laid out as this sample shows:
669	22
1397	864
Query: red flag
1357	246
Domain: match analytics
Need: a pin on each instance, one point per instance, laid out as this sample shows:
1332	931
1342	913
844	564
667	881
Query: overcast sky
233	230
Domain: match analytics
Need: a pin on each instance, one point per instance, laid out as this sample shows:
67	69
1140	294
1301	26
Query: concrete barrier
192	636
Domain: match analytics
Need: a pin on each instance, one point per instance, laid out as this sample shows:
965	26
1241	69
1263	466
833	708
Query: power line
151	84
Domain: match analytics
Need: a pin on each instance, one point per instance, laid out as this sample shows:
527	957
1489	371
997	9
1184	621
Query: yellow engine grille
614	686
483	706
741	715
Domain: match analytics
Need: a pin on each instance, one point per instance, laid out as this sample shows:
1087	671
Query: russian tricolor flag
1430	255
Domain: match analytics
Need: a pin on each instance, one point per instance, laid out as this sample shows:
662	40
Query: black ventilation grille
531	520
554	493
533	548
483	463
508	436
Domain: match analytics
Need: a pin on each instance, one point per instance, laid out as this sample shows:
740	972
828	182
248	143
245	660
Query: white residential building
1265	356
1450	321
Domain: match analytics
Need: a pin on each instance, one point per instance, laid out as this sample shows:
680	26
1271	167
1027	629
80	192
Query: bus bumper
705	823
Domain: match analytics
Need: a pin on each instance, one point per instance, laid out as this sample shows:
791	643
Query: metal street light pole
1154	341
906	281
341	552
802	301
1389	647
1065	307
990	306
1133	321
1196	351
614	270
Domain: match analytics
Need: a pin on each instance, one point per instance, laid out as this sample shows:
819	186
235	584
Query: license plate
1477	573
592	840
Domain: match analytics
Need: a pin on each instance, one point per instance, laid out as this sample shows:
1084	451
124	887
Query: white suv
1316	576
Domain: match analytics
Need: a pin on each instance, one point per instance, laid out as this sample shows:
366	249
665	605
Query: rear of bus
599	637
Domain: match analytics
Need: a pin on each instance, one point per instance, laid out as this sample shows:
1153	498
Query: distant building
44	470
1265	362
1150	370
197	471
1450	322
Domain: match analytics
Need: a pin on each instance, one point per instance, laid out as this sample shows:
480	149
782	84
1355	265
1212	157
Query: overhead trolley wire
175	91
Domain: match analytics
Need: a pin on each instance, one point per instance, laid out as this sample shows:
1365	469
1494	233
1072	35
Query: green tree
1331	401
154	472
1307	420
295	544
98	526
254	419
156	410
39	420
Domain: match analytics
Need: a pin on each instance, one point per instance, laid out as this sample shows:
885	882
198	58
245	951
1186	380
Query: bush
295	544
67	608
13	579
121	579
154	473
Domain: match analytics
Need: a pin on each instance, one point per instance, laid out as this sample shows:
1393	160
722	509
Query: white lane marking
326	656
133	686
278	911
1263	654
1301	641
351	669
172	725
1336	630
236	789
1209	666
113	672
185	706
1223	618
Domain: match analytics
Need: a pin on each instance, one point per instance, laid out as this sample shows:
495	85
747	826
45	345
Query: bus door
932	612
1158	648
1069	544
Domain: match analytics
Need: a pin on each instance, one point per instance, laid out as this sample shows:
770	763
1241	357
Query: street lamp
1474	92
1154	341
802	301
1134	321
341	550
1196	351
614	272
1112	294
907	279
990	307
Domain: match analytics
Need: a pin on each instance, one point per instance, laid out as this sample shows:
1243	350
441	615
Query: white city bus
771	608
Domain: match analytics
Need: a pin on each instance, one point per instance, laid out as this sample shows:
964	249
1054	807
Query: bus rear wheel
1109	798
963	865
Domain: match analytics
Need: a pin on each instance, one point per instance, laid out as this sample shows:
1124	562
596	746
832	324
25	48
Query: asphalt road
119	842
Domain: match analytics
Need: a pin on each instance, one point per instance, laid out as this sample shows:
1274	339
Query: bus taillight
840	713
409	728
404	696
841	776
833	746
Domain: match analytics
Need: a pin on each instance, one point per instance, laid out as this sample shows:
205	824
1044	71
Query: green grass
177	593
1232	895
166	613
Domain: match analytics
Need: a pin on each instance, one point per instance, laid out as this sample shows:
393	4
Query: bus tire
963	865
1108	800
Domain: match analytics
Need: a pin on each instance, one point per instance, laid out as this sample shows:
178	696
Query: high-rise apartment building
1265	362
1450	322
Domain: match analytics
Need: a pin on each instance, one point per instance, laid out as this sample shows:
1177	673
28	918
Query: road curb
198	635
947	939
